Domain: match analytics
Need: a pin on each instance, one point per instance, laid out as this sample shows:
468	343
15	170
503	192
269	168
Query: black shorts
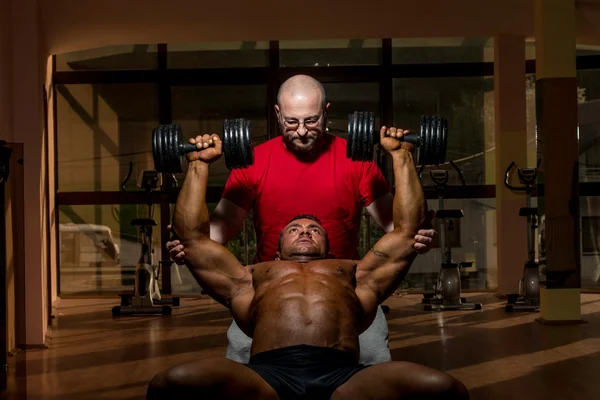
305	372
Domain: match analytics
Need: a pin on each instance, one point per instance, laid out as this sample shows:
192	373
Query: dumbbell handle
412	138
185	148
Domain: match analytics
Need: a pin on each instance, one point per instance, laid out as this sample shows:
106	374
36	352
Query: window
442	50
345	98
588	82
100	129
329	53
123	57
218	55
99	248
472	240
590	242
202	109
468	105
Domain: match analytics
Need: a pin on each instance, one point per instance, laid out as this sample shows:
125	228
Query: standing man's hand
175	249
424	238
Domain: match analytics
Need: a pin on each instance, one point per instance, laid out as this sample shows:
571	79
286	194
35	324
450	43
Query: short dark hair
304	216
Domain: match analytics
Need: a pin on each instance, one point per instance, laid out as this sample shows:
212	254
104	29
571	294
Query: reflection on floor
497	355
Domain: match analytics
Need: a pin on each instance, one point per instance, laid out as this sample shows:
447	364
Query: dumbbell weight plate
372	135
227	128
245	144
237	143
240	144
424	132
175	157
156	149
249	149
369	135
361	136
434	136
444	132
439	139
165	149
234	148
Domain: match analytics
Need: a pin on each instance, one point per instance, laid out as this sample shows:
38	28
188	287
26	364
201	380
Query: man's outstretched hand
424	237
175	249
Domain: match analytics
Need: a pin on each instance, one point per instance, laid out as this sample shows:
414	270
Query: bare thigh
211	378
401	380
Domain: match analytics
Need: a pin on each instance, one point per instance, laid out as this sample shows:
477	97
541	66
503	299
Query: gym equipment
169	150
431	141
146	297
447	290
528	298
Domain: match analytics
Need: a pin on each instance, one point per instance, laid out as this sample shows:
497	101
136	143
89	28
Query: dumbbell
430	141
169	150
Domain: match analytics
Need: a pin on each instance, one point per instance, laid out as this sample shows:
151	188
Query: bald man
306	170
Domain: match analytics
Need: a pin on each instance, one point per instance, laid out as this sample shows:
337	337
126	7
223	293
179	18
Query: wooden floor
497	355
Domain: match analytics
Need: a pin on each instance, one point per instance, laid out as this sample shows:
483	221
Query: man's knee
177	382
158	388
445	386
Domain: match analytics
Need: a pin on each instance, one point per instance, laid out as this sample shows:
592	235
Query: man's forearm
409	207
191	219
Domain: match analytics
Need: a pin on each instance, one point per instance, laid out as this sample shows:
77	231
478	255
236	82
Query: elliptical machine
145	297
528	298
447	290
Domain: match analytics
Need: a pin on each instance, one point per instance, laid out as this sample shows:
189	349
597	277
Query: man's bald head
302	112
301	86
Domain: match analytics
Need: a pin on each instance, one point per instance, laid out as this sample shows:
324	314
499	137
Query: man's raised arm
213	266
384	267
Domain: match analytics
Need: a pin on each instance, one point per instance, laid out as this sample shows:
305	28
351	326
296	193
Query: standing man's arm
381	212
214	267
226	221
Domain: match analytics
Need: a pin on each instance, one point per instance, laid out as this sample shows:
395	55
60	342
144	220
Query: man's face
302	121
303	240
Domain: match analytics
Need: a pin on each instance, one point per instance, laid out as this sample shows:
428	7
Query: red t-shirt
332	187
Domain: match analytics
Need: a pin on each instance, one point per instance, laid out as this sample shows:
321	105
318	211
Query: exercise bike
145	297
528	298
447	289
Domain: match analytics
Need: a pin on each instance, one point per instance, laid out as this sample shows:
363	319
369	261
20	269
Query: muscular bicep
220	274
383	268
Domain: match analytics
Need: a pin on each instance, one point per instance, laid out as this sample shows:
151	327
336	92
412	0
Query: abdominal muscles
313	309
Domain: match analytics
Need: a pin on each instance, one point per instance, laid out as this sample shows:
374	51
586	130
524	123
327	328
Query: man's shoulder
339	141
339	146
268	146
263	152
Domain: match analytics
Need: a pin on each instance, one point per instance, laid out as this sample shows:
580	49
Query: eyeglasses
310	123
